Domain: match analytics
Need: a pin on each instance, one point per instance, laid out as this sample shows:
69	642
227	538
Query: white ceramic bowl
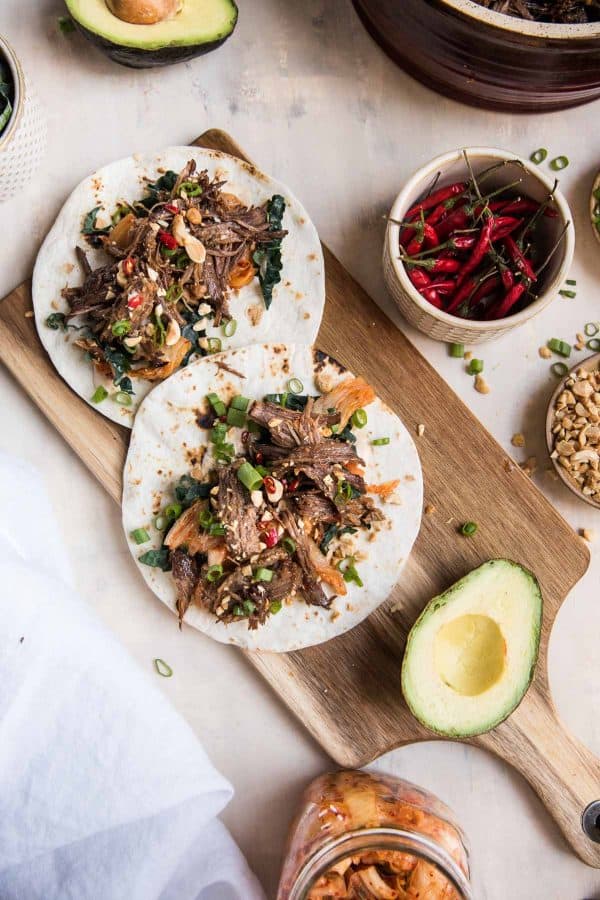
23	141
536	184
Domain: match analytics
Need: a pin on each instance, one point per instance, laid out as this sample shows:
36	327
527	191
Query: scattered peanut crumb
518	440
588	534
529	467
508	465
429	509
29	314
481	385
545	353
468	355
580	338
450	520
579	346
420	430
335	615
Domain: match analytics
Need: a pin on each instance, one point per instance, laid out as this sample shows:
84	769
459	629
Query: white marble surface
304	89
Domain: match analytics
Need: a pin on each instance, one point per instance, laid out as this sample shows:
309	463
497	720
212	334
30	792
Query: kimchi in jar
374	837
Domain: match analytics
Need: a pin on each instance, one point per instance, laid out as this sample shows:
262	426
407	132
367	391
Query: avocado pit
144	12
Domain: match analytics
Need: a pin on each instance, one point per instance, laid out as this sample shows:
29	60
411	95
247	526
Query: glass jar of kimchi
374	837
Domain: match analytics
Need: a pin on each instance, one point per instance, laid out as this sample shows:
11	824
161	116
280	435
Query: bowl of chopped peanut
573	430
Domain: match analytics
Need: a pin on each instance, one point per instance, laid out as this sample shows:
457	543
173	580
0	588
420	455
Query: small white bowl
23	140
436	323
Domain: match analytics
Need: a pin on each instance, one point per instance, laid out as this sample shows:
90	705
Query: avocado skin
137	58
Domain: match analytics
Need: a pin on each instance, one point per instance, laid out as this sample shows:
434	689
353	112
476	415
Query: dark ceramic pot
487	59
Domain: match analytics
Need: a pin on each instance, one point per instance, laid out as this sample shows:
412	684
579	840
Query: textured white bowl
435	322
23	141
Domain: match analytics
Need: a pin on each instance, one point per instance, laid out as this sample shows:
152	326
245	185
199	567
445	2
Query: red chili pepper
445	264
456	220
134	301
258	457
269	484
431	295
519	259
166	238
293	485
508	278
461	294
418	277
442	210
451	190
128	266
505	225
463	241
479	250
430	238
443	286
501	309
270	537
487	286
171	208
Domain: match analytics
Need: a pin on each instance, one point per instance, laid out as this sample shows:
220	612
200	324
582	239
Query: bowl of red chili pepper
478	241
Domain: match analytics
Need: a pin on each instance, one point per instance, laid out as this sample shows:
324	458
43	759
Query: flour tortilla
298	300
166	440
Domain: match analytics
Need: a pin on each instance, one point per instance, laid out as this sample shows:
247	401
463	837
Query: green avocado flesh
200	22
471	654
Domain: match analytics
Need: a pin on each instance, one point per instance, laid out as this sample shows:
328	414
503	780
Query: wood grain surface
347	692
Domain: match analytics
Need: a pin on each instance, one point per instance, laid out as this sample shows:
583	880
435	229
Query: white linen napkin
105	792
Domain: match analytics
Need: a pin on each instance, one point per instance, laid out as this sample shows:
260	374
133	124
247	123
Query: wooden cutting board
347	692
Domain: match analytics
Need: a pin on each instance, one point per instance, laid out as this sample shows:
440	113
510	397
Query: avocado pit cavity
469	654
144	12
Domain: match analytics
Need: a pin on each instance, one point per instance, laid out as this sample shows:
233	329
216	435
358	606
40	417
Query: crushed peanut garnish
518	440
420	430
429	509
529	467
576	431
545	353
481	385
588	534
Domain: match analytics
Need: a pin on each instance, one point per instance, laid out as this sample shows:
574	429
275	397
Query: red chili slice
270	537
168	240
171	208
269	484
293	485
134	301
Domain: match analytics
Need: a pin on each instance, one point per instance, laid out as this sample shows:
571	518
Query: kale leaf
332	532
188	490
6	96
57	321
119	362
164	184
90	230
268	258
158	559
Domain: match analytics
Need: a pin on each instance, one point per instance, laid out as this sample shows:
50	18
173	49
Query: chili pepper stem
553	250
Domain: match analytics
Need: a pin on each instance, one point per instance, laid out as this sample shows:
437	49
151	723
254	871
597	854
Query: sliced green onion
559	163
254	428
560	347
217	404
167	252
219	432
217	530
380	442
214	573
569	294
224	452
140	536
122	327
475	367
174	292
229	328
295	386
237	610
214	345
469	529
262	470
283	400
456	350
122	398
99	394
240	402
249	607
349	571
206	518
591	329
263	574
191	188
594	345
538	156
343	491
163	668
559	369
236	417
275	607
172	511
249	477
571	281
289	545
359	418
160	522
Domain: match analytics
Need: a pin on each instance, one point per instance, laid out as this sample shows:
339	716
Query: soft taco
155	261
270	499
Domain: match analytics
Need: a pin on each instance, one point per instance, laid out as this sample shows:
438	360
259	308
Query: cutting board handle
564	774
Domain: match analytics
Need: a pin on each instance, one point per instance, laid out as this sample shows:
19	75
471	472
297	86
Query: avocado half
200	26
471	654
